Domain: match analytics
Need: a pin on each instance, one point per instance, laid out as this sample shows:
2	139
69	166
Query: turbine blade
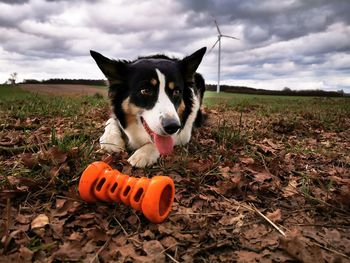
214	44
217	27
230	37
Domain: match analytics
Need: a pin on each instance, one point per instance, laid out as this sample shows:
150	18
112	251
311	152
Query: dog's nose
170	126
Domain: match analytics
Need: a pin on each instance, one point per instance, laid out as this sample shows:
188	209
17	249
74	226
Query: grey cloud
284	19
14	1
12	15
279	39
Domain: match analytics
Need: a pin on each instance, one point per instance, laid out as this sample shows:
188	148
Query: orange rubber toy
154	197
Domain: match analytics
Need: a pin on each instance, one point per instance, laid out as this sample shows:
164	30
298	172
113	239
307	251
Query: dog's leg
184	136
112	140
145	156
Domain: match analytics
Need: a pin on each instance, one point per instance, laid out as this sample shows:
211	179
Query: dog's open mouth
164	144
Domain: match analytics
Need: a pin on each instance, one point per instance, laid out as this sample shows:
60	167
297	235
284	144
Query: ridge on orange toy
153	196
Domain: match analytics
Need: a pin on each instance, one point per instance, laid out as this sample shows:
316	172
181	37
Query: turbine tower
220	35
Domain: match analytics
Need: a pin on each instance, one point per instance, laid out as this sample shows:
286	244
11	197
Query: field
64	89
266	179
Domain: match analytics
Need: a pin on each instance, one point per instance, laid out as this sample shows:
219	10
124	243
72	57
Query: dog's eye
177	93
146	92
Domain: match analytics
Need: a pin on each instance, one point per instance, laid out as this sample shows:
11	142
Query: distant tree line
286	91
94	82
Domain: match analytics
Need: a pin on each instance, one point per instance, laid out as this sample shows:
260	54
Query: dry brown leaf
26	254
271	143
127	251
299	248
225	172
29	160
248	256
154	249
75	236
148	234
69	251
275	216
40	221
54	155
262	176
246	160
290	189
97	234
169	243
228	220
224	187
23	219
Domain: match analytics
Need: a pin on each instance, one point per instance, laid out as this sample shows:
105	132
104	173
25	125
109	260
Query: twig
105	244
320	201
268	220
264	163
173	259
322	225
164	250
101	249
126	233
331	250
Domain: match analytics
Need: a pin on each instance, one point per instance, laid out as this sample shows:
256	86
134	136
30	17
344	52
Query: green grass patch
21	104
326	112
10	93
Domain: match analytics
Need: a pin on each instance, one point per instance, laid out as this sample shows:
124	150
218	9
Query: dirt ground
250	187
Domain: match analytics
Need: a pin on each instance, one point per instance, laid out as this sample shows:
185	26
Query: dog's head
151	90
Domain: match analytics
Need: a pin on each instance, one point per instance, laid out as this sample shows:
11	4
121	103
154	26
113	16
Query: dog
156	101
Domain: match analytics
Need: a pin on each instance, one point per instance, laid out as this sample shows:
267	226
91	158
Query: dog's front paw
145	156
111	147
111	141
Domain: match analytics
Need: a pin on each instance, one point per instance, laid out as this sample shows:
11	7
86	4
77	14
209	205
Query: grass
22	104
9	93
277	103
328	112
65	122
227	134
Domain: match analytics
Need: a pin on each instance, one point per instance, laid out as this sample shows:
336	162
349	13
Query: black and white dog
155	101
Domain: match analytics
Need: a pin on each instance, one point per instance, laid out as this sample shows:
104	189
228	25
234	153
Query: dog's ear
190	63
113	70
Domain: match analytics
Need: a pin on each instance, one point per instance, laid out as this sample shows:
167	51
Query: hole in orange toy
138	195
100	184
114	187
165	200
127	190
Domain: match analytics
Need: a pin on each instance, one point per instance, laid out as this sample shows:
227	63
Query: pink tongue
165	144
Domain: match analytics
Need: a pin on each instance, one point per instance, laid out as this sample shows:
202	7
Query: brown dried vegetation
252	186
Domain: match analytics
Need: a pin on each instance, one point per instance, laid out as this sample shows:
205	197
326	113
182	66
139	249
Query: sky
299	44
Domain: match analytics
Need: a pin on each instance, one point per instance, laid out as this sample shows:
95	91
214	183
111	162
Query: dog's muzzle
170	125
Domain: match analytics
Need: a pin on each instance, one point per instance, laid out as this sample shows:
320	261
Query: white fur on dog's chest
137	135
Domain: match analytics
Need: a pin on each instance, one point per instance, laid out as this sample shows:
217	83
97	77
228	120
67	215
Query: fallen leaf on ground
246	160
69	251
275	216
299	248
40	221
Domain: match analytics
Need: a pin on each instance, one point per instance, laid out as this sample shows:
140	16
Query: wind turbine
220	35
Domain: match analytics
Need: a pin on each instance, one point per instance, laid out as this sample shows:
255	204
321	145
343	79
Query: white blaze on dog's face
162	119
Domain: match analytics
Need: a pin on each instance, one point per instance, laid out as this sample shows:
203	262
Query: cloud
14	1
300	42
